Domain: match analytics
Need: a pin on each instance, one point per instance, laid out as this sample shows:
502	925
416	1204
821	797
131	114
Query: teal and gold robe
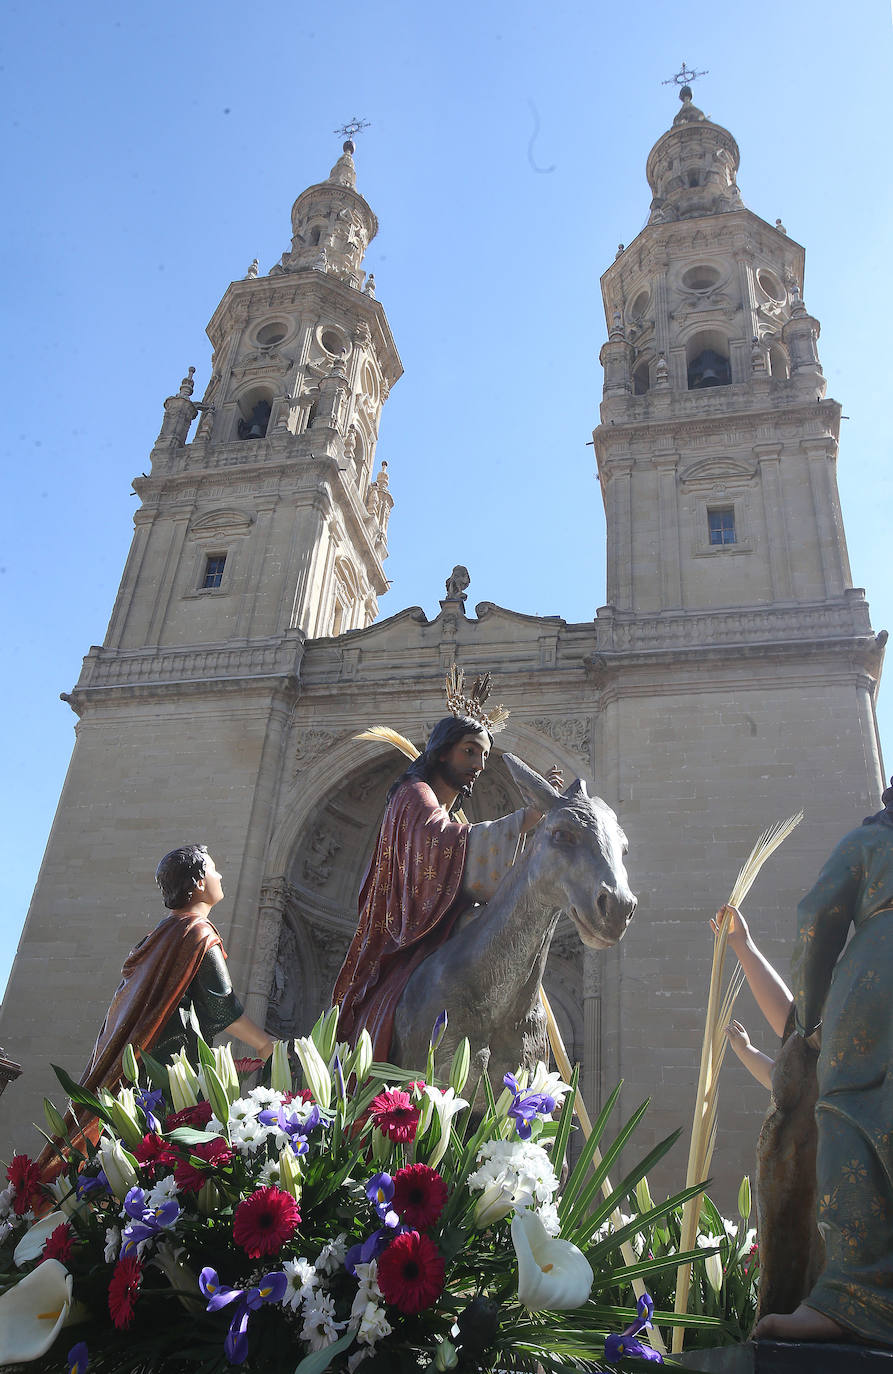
849	989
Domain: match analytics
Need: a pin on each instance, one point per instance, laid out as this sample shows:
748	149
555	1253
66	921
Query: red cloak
155	975
410	901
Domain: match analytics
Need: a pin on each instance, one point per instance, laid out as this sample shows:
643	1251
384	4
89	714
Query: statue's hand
739	931
556	778
738	1038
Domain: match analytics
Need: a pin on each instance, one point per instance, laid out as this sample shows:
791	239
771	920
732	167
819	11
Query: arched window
707	356
641	379
255	408
779	367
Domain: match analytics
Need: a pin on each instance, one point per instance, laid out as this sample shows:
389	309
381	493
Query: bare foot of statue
806	1324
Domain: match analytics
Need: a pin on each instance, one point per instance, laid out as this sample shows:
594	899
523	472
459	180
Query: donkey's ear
534	788
576	791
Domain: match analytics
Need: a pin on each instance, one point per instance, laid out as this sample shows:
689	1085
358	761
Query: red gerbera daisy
215	1153
395	1116
248	1065
152	1151
197	1116
123	1290
410	1272
24	1176
59	1243
265	1221
420	1195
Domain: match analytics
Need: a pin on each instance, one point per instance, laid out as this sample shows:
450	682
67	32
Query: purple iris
439	1030
78	1358
339	1080
290	1123
524	1109
380	1192
369	1249
149	1101
627	1344
147	1221
88	1183
271	1288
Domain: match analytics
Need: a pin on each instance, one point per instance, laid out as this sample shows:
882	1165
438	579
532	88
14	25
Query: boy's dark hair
178	873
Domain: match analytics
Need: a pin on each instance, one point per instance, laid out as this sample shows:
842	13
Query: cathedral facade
728	681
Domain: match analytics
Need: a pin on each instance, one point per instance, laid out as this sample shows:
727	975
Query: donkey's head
576	857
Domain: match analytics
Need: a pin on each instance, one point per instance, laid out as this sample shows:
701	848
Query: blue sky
152	151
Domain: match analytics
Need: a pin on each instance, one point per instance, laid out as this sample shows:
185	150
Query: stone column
835	563
179	524
668	526
273	894
767	455
620	553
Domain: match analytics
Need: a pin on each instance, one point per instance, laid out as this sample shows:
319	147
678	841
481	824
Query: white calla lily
32	1313
30	1247
551	1273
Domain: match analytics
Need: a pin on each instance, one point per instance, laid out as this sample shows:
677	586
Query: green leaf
188	1135
572	1216
565	1123
81	1095
578	1222
158	1075
575	1182
321	1359
632	1228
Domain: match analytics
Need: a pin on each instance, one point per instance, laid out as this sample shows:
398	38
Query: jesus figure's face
461	766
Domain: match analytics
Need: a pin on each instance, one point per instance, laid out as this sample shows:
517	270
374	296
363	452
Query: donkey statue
487	975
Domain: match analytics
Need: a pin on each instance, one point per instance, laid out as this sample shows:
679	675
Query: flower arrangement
363	1217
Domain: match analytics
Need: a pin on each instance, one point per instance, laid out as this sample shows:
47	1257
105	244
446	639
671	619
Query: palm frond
720	1005
384	733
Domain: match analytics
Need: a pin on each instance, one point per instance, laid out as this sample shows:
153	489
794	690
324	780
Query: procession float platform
786	1357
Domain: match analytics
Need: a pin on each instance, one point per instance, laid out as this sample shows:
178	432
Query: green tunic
850	992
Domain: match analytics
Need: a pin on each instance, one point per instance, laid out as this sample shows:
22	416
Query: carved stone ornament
571	732
319	860
311	744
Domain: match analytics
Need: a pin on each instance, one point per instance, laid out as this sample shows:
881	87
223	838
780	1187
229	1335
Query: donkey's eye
564	837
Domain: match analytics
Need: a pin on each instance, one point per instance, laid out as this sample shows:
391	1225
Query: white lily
549	1083
33	1311
226	1070
712	1263
316	1072
179	1275
499	1198
447	1105
280	1071
118	1169
30	1247
183	1083
551	1273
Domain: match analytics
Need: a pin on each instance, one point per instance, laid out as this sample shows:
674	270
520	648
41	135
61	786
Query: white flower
331	1256
302	1279
7	1197
512	1173
367	1276
117	1168
32	1242
551	1273
266	1098
712	1263
249	1135
355	1360
269	1173
316	1071
447	1105
550	1084
548	1215
320	1328
374	1325
165	1190
112	1244
33	1312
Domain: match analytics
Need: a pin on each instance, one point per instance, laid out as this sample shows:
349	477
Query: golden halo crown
472	703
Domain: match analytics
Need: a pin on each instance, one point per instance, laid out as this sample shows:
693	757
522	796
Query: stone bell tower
717	446
265	530
737	664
